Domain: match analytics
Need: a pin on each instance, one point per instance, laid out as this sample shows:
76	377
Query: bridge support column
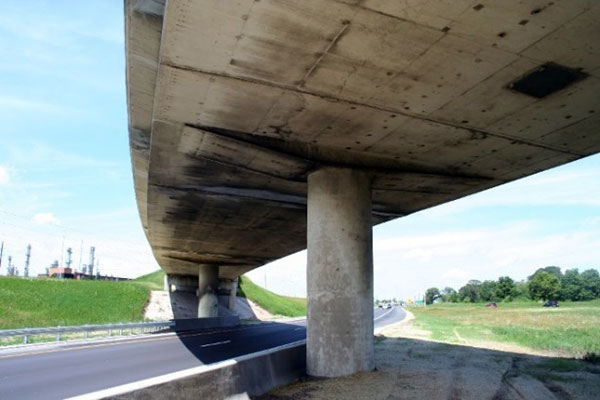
228	293
208	283
339	273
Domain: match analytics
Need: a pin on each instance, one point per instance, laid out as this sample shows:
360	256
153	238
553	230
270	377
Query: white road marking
383	315
216	343
298	329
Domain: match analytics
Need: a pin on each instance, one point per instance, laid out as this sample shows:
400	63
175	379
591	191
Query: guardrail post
58	337
85	334
109	332
25	339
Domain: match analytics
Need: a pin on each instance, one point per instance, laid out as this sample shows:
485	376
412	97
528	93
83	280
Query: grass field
153	281
573	328
274	303
28	303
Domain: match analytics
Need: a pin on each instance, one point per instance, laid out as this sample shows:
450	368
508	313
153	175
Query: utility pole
27	257
80	255
11	272
1	251
265	267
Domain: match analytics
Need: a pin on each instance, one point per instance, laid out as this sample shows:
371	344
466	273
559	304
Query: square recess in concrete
547	79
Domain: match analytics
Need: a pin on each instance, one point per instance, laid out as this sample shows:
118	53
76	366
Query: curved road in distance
61	371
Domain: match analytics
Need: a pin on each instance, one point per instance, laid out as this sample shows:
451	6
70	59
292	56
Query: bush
591	357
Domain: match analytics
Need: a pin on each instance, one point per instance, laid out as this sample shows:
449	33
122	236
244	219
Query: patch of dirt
159	306
409	365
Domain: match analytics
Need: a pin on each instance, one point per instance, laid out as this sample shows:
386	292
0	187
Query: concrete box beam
340	273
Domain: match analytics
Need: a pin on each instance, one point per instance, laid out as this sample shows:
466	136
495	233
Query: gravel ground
409	366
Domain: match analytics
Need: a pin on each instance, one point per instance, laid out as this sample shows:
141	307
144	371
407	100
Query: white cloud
20	104
456	273
46	219
4	175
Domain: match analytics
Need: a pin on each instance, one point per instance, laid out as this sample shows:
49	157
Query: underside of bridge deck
235	105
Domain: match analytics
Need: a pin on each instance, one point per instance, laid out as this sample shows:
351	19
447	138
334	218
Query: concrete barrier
238	378
192	324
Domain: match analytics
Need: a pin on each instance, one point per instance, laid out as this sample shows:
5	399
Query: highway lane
56	372
384	317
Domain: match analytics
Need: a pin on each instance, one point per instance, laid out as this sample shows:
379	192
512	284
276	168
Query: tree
522	289
447	294
488	291
552	270
571	285
506	288
590	280
471	291
544	286
431	294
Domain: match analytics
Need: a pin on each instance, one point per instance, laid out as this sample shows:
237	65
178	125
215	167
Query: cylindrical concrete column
208	283
233	295
339	273
167	285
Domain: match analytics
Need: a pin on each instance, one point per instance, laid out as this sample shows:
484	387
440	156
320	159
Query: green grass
29	303
573	328
274	303
153	281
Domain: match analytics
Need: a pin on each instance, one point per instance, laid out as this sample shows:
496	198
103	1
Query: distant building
59	272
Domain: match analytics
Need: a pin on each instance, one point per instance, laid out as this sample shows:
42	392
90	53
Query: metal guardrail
86	329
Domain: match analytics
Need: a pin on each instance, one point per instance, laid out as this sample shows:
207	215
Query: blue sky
65	175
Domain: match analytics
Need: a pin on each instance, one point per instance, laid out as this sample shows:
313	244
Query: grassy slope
572	328
274	303
27	303
153	281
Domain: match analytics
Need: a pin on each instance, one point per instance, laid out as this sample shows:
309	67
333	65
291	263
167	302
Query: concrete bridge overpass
262	127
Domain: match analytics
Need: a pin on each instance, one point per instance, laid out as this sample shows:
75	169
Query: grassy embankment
572	329
28	303
274	303
153	281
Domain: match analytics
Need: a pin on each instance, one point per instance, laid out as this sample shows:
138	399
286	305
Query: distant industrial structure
57	270
27	257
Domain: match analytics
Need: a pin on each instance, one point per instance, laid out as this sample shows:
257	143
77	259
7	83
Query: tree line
548	283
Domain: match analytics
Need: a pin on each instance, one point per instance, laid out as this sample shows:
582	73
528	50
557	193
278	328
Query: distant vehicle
381	306
551	303
388	306
492	305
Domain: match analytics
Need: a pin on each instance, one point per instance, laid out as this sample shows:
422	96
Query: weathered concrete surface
227	293
232	105
340	273
208	283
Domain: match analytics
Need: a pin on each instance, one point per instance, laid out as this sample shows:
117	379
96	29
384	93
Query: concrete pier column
227	293
339	273
208	283
166	284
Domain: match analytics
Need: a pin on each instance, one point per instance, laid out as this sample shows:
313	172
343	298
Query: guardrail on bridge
144	327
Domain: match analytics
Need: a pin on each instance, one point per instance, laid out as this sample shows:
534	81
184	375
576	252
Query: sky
66	181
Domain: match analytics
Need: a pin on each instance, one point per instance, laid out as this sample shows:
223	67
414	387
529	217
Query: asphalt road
57	372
